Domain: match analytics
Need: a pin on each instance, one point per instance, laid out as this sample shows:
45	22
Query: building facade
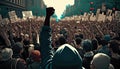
36	6
81	6
9	5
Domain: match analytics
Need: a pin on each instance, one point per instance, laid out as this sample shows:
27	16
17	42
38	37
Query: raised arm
45	39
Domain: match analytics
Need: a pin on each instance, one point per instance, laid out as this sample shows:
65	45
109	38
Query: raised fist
50	11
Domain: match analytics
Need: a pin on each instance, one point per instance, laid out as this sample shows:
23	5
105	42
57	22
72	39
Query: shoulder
21	60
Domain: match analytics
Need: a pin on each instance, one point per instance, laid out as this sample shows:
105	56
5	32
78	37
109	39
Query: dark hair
26	42
87	45
62	40
16	39
2	41
17	47
78	40
99	38
114	45
81	36
95	44
104	42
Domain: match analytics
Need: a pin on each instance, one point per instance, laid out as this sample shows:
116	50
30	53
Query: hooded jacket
66	56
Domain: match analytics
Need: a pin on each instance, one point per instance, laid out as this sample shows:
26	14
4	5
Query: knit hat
67	57
6	54
101	61
36	55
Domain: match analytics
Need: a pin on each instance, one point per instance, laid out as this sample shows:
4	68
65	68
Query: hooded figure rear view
66	56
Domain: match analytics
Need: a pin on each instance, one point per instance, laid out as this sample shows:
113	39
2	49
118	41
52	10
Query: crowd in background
88	37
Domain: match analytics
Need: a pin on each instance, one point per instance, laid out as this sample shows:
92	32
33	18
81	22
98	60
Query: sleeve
45	44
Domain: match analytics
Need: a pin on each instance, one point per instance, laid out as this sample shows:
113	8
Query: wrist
47	16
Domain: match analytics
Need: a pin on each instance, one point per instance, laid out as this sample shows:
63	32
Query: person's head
17	48
81	36
95	44
107	38
31	48
100	61
26	42
78	40
87	45
104	42
99	38
2	42
67	57
6	54
36	55
114	46
18	39
62	40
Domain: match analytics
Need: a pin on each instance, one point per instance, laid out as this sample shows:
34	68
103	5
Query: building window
24	3
10	0
16	1
13	1
21	2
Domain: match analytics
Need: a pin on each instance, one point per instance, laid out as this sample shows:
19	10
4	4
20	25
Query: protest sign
13	16
98	11
92	18
109	18
117	15
27	14
84	17
4	22
101	17
109	12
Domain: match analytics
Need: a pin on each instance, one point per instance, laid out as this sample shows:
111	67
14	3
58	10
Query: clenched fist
50	11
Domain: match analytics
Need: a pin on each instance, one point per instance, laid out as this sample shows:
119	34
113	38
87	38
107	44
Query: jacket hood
67	56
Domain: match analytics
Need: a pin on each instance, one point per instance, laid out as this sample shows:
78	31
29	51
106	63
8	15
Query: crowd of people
67	44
